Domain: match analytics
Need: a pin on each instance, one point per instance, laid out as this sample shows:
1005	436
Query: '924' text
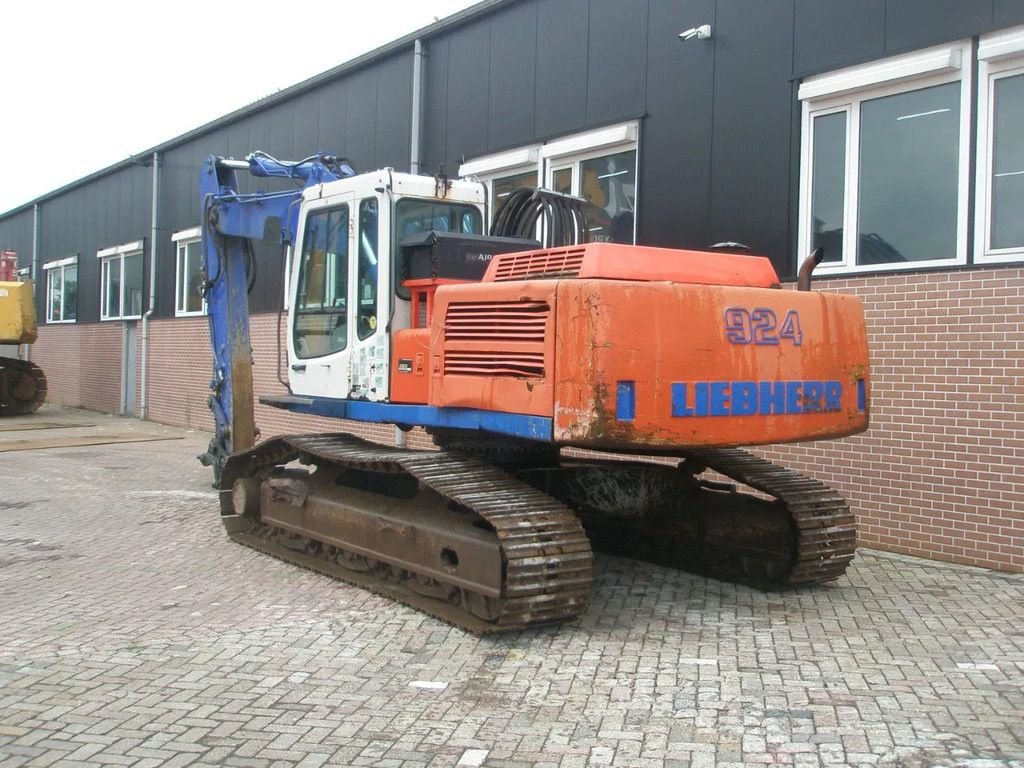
761	326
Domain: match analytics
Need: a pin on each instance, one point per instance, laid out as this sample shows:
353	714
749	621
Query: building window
999	226
599	166
885	163
607	181
188	281
500	187
121	282
504	172
62	290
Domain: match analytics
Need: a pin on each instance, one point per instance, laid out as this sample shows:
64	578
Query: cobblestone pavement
132	632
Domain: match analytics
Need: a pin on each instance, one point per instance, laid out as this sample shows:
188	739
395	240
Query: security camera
703	32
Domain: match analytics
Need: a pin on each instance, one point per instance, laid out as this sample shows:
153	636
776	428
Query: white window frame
558	153
573	150
53	268
489	168
118	254
182	240
999	55
845	90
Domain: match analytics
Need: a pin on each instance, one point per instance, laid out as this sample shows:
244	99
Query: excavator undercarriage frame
468	543
494	547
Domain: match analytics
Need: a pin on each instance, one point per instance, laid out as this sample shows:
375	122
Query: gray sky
85	84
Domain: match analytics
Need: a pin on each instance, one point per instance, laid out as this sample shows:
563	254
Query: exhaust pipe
803	282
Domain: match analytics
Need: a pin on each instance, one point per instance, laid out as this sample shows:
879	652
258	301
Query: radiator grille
538	264
496	321
487	363
495	338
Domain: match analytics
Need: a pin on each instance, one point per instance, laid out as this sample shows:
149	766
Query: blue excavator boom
230	221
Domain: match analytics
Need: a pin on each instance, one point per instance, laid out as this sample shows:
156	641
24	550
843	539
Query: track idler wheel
245	497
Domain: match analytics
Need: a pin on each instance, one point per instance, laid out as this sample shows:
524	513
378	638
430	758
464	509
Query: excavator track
825	528
22	387
803	534
545	557
543	519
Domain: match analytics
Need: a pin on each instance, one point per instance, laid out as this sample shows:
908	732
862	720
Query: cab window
321	304
366	285
413	216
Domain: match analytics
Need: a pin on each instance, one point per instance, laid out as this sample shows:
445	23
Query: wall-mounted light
703	32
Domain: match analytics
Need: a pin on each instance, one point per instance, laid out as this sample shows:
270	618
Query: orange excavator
537	365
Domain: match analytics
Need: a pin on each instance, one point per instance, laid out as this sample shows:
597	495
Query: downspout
415	146
35	269
153	236
417	106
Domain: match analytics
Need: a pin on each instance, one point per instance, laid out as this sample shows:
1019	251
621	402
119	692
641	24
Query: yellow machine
22	383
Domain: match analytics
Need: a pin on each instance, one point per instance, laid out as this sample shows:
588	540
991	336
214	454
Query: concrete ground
133	632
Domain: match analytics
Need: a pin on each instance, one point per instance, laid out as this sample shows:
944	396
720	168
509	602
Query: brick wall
937	475
58	351
82	364
100	369
179	372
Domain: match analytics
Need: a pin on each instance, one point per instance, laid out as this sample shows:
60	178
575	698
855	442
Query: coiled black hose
561	217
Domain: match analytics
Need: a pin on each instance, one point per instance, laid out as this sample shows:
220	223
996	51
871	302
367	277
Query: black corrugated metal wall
16	235
719	119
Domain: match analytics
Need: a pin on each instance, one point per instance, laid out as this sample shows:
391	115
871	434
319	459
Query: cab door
320	331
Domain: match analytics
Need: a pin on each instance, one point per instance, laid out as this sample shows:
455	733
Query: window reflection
503	187
413	216
194	273
190	278
112	282
69	300
133	284
1008	163
608	184
828	184
909	155
56	291
366	287
561	181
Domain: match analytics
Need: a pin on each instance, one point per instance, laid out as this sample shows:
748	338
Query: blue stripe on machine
748	398
515	424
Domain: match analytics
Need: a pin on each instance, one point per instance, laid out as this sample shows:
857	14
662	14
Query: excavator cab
346	292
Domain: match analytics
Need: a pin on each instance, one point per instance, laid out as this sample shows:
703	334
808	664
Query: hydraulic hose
561	217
